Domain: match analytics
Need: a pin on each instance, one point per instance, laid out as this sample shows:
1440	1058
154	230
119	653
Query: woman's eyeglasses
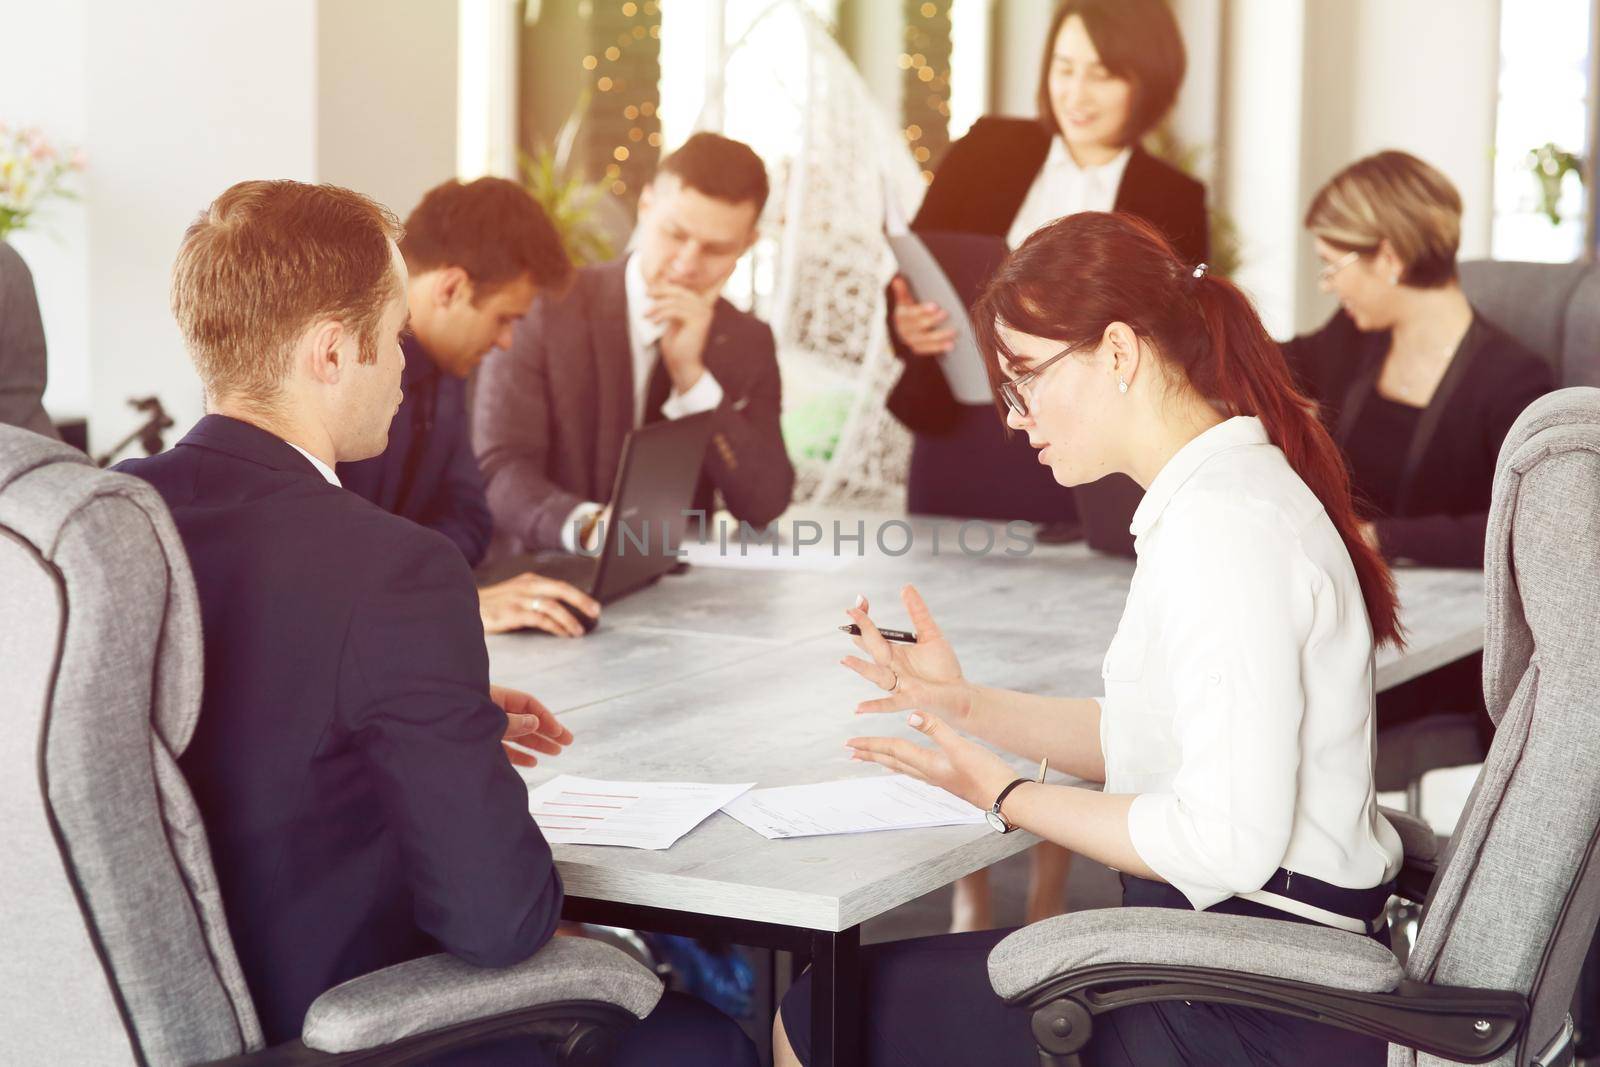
1013	390
1328	270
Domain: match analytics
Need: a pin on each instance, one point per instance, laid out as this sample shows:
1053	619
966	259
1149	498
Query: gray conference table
731	674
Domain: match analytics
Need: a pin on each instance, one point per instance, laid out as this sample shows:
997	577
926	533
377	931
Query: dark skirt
977	470
928	1001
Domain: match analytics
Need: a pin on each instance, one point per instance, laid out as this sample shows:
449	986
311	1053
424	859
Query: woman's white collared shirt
1239	687
1062	187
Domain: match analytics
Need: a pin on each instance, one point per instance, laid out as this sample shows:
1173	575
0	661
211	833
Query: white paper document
963	367
589	811
852	806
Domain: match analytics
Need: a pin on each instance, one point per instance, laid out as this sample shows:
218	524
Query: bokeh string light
925	91
622	132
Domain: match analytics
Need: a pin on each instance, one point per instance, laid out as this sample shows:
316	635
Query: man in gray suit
639	339
22	354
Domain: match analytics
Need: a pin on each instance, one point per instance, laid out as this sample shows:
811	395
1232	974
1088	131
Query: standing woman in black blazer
1415	385
1110	73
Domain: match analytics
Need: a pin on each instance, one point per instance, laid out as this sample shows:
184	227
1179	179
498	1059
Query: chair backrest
1552	308
1516	899
115	948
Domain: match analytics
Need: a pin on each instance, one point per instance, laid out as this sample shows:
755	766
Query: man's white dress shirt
1063	188
322	468
1239	687
643	339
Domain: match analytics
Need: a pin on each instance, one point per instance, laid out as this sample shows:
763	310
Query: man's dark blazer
428	473
985	176
551	412
1441	513
347	762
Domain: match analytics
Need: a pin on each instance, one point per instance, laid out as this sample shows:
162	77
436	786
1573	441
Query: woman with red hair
1235	732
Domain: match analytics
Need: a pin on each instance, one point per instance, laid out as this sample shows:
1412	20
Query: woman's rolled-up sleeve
1233	621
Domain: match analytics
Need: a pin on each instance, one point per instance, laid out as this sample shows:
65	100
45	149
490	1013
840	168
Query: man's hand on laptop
530	601
530	725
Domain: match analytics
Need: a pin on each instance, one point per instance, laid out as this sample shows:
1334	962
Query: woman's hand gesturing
925	675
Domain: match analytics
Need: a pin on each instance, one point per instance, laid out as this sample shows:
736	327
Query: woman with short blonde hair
1415	385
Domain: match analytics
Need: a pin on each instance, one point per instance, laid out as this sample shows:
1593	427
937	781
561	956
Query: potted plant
32	171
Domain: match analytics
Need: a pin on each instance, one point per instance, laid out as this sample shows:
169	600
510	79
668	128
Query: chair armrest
1456	1023
1319	955
437	992
1072	968
1421	847
1416	837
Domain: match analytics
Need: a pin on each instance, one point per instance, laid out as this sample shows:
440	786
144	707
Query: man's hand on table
530	601
529	724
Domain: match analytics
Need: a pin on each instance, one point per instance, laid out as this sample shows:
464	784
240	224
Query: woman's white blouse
1063	188
1239	687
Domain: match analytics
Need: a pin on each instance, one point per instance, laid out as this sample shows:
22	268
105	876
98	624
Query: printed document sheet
852	806
589	811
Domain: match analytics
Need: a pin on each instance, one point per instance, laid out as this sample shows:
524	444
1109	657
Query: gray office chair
1552	308
1512	910
115	948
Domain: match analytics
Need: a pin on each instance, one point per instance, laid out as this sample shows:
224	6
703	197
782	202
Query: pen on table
904	637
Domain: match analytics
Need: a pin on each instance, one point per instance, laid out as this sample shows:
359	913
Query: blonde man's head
265	261
1395	198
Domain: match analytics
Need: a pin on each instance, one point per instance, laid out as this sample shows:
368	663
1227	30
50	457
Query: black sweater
1441	501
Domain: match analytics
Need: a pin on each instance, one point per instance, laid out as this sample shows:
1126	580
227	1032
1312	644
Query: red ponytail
1078	275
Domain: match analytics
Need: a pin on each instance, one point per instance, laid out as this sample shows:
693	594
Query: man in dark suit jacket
636	340
348	763
476	253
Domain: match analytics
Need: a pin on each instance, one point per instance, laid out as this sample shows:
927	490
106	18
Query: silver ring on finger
536	604
896	684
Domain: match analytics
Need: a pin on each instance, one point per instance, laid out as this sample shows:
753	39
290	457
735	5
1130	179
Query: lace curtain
819	271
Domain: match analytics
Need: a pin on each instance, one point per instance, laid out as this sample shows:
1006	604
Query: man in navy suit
348	760
476	254
347	763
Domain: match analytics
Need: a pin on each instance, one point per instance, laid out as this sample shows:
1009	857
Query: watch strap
1001	799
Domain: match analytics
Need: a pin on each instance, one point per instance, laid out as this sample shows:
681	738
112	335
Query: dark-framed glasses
1014	390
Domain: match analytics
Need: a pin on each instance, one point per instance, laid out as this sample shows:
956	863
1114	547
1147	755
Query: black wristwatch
997	820
993	815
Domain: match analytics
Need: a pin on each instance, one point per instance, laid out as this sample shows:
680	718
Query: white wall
175	100
43	83
1400	74
1258	149
1311	85
185	97
386	97
1020	29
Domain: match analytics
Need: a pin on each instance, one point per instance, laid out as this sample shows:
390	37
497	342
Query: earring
1394	279
1122	384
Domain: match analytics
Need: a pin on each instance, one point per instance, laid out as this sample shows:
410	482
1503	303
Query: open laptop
655	485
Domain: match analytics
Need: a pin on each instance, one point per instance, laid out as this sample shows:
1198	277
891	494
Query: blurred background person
1110	73
22	351
642	338
1415	385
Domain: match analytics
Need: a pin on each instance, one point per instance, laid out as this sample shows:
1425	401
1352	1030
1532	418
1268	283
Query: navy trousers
927	1002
